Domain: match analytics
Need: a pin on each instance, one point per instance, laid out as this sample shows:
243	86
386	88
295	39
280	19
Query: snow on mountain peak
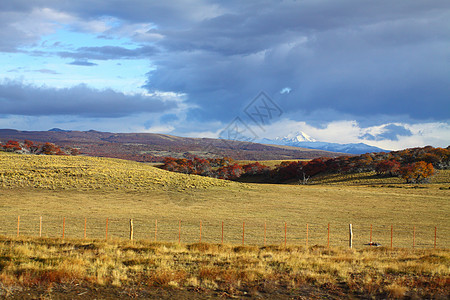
297	137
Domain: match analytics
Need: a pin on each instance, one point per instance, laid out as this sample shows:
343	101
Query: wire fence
259	233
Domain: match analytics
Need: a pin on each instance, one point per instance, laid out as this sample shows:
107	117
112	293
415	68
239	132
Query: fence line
252	233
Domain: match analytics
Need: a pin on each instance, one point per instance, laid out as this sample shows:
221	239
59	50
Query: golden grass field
55	187
76	188
49	268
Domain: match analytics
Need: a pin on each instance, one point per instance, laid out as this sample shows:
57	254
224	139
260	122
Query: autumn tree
51	149
12	146
388	168
31	146
417	172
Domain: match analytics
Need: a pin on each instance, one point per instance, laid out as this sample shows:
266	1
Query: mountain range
303	140
151	147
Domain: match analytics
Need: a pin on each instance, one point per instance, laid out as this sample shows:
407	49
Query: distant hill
303	140
59	130
150	147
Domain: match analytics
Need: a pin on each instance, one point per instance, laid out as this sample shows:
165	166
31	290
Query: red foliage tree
388	168
31	146
12	146
230	172
417	172
51	149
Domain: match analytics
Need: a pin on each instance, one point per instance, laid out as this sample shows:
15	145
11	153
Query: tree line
415	165
30	147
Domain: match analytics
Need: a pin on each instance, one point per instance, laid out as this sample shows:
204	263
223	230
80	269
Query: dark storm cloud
352	59
356	58
19	99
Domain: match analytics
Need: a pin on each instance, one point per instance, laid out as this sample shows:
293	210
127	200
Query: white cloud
436	134
164	129
285	90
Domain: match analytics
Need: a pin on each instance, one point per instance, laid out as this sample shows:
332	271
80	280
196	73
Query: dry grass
79	187
92	173
231	269
440	179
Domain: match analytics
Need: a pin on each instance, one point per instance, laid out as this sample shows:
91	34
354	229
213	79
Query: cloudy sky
344	71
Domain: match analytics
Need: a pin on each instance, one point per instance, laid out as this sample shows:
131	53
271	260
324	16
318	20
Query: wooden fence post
265	233
435	237
18	226
307	229
328	239
285	234
200	231
106	233
156	229
179	232
392	234
350	237
64	227
243	233
40	226
131	229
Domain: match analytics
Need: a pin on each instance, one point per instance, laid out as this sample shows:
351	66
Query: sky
349	71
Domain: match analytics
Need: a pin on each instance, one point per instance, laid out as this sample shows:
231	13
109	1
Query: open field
96	189
76	188
53	268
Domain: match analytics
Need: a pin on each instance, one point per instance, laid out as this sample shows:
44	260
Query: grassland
92	173
80	187
53	267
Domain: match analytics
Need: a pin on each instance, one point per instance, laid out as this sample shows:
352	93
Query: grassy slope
119	190
92	173
79	187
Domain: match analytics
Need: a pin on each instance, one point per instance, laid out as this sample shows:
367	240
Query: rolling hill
54	172
149	147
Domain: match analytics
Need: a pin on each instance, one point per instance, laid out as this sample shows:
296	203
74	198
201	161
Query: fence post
328	239
243	233
350	238
265	233
179	232
131	229
64	227
307	235
392	234
18	226
435	236
40	226
156	229
106	233
285	234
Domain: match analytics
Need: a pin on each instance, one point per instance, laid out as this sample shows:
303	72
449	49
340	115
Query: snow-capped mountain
296	138
303	140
